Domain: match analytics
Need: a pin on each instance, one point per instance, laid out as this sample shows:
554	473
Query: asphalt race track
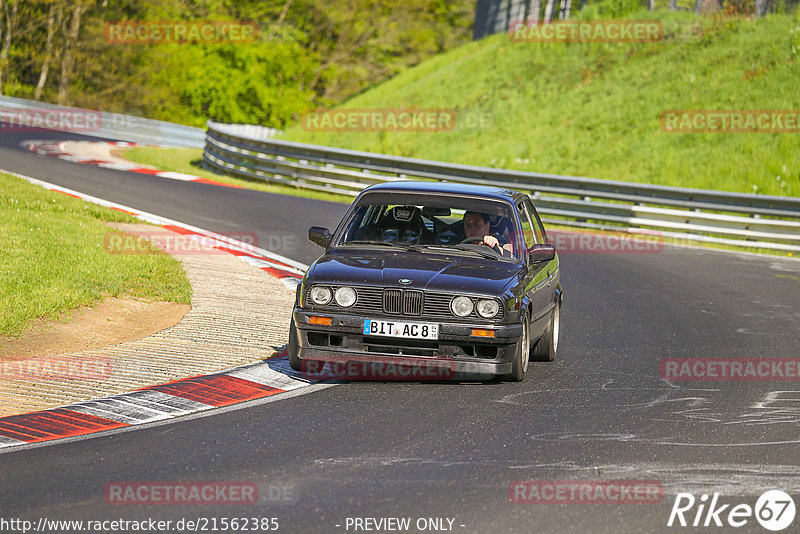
442	450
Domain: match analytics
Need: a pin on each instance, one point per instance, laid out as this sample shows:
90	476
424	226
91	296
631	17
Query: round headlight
345	297
487	308
320	295
461	306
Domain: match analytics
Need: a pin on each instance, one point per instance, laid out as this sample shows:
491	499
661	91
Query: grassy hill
593	109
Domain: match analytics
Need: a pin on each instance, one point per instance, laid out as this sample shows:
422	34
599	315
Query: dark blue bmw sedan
429	280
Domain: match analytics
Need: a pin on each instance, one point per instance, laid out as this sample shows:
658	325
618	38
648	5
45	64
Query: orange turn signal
482	333
325	321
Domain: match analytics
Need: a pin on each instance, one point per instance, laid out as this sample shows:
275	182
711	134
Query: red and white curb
289	271
57	149
182	397
154	403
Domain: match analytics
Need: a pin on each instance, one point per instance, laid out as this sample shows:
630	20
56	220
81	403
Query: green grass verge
594	109
53	259
188	161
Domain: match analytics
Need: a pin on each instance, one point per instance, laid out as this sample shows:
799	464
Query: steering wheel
476	239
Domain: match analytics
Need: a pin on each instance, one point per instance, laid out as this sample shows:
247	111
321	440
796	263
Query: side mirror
543	252
319	235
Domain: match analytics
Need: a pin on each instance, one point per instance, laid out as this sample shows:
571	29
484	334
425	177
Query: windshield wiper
459	248
478	252
404	246
380	243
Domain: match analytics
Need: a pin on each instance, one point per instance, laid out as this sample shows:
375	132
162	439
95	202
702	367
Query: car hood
425	270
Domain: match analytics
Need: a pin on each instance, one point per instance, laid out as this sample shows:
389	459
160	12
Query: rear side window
527	227
536	223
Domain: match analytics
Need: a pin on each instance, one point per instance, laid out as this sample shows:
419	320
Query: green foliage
309	54
240	84
609	9
795	33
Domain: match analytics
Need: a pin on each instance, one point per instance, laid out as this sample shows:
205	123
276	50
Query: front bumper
455	355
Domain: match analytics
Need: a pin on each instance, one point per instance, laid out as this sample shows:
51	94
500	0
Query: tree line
307	54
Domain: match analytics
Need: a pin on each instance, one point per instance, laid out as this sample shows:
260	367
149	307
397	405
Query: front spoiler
355	362
361	366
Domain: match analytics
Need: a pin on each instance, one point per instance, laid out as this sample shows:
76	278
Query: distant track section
102	124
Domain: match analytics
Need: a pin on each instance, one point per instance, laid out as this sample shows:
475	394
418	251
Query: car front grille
405	302
393	300
412	302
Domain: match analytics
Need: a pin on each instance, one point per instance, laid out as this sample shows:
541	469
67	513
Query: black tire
547	345
294	361
519	366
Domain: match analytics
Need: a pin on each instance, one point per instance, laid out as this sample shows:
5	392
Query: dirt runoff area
112	321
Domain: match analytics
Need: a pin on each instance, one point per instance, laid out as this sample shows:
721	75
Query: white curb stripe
260	262
275	373
177	176
164	402
116	409
9	442
57	150
116	166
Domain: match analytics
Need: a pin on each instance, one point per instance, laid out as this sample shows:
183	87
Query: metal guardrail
110	126
250	131
759	221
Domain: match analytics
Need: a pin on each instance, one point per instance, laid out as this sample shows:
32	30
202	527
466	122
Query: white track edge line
298	267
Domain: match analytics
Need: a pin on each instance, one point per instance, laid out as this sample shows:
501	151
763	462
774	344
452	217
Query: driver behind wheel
477	225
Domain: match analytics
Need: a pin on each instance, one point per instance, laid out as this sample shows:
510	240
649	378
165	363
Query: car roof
411	186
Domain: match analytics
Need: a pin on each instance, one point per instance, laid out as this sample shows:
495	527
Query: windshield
446	224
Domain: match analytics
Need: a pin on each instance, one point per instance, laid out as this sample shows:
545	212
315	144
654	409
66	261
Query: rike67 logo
774	510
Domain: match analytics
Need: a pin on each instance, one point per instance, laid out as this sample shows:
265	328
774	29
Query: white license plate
373	327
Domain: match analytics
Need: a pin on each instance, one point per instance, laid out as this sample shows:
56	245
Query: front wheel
294	361
547	346
520	364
